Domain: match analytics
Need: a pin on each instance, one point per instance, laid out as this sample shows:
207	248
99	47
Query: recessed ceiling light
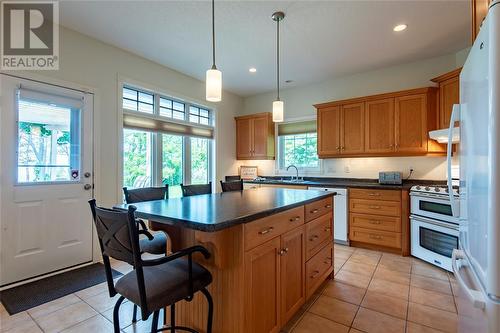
252	70
400	27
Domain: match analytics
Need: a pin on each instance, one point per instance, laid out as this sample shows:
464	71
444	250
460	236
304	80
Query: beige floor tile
466	308
432	298
66	317
432	317
343	247
431	284
143	326
389	288
102	302
395	257
126	313
353	330
367	252
47	308
425	269
395	266
365	259
353	279
92	291
393	306
341	254
416	328
393	276
344	292
312	323
359	268
18	323
96	324
375	322
338	263
334	309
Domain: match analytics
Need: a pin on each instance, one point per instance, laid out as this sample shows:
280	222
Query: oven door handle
476	297
454	226
455	116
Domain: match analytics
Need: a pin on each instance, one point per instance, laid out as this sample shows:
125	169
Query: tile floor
371	292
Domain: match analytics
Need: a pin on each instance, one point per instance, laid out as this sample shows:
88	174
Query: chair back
231	186
189	190
118	239
232	178
145	194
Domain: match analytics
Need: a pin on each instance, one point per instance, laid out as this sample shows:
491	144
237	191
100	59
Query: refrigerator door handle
475	296
455	114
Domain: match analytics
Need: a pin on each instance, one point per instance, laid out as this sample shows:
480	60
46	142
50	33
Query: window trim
281	170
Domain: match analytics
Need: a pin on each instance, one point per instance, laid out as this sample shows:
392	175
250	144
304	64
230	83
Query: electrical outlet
347	169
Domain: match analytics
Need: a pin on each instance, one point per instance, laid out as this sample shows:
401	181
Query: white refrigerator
476	264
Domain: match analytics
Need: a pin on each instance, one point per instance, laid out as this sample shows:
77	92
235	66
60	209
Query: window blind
297	128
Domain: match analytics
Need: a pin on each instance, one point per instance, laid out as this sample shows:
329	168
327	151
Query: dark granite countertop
345	182
213	212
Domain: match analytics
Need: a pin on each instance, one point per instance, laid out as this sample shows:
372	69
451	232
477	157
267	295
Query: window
137	100
297	145
157	150
48	141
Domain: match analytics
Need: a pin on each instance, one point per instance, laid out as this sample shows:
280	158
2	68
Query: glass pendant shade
278	108
214	85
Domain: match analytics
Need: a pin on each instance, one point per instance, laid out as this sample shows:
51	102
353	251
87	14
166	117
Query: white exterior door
46	178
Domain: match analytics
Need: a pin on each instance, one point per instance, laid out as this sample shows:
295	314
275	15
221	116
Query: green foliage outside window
135	157
300	150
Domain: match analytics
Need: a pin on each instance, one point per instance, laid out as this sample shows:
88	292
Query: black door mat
35	293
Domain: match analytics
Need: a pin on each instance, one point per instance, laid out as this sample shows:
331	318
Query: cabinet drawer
262	230
374	194
386	208
317	267
318	232
377	237
318	208
384	223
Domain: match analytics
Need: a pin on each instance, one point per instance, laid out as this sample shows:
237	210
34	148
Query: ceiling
319	39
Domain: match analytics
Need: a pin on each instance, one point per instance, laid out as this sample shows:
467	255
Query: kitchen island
271	249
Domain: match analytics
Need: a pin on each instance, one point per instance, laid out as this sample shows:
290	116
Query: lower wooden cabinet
262	288
293	286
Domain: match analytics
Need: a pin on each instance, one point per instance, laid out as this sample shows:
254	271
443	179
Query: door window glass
48	142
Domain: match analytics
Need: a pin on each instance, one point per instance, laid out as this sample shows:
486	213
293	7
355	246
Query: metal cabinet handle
328	206
375	194
338	148
328	228
375	236
314	211
313	238
283	251
314	274
343	148
296	218
266	231
374	207
374	222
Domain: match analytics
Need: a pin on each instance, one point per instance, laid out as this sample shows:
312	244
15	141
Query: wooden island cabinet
392	124
271	249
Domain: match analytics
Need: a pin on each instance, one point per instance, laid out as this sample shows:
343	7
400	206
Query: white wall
89	62
299	103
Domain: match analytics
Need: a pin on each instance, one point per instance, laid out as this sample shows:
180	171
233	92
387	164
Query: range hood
441	135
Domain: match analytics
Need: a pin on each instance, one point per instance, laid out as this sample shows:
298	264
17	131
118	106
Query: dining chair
232	178
153	284
190	190
231	186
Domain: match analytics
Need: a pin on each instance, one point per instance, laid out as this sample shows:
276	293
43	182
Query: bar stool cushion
165	284
158	245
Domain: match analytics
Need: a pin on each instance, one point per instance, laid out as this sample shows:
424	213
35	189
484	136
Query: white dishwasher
340	231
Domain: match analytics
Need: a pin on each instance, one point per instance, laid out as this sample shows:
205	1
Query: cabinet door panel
329	131
243	138
353	129
411	123
262	283
449	94
379	126
293	285
260	135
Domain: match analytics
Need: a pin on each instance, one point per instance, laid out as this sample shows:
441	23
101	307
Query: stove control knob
418	188
427	188
437	189
446	190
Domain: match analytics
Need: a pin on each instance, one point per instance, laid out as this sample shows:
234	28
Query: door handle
476	297
293	219
87	187
86	174
266	231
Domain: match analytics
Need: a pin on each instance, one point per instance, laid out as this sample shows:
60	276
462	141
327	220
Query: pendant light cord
278	57
213	35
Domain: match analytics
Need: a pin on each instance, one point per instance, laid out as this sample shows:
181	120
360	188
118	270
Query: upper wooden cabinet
392	124
255	137
479	11
449	94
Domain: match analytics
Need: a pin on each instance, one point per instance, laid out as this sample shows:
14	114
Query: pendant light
278	106
214	76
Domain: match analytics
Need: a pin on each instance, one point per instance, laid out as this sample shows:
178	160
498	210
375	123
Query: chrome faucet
296	170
